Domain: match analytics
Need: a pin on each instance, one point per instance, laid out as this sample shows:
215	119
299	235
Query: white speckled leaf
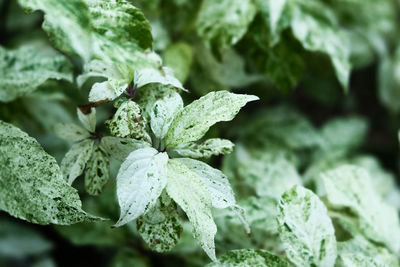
88	120
75	160
31	184
317	35
163	112
70	132
120	148
114	31
24	69
150	75
160	227
224	22
128	121
206	149
97	171
249	258
359	252
188	190
196	118
306	229
350	187
269	172
140	181
216	182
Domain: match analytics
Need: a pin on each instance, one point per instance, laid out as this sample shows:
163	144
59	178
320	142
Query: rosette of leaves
157	173
87	154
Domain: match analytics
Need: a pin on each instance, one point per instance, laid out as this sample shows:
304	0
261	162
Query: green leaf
120	148
97	171
75	160
343	133
140	181
163	112
70	132
196	118
26	68
206	149
179	57
160	227
223	23
115	32
306	229
128	121
187	189
349	188
249	257
88	119
269	172
322	35
39	193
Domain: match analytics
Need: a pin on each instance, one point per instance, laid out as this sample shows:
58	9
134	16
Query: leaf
164	76
322	35
115	32
127	121
249	257
163	112
140	181
24	69
306	229
269	172
216	182
188	190
179	57
88	120
75	160
70	132
97	171
39	193
120	148
350	188
223	23
218	106
358	252
206	149
344	133
160	227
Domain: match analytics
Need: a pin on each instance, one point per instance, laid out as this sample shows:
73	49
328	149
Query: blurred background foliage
306	121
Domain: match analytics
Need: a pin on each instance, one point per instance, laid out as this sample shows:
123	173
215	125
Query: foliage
193	133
